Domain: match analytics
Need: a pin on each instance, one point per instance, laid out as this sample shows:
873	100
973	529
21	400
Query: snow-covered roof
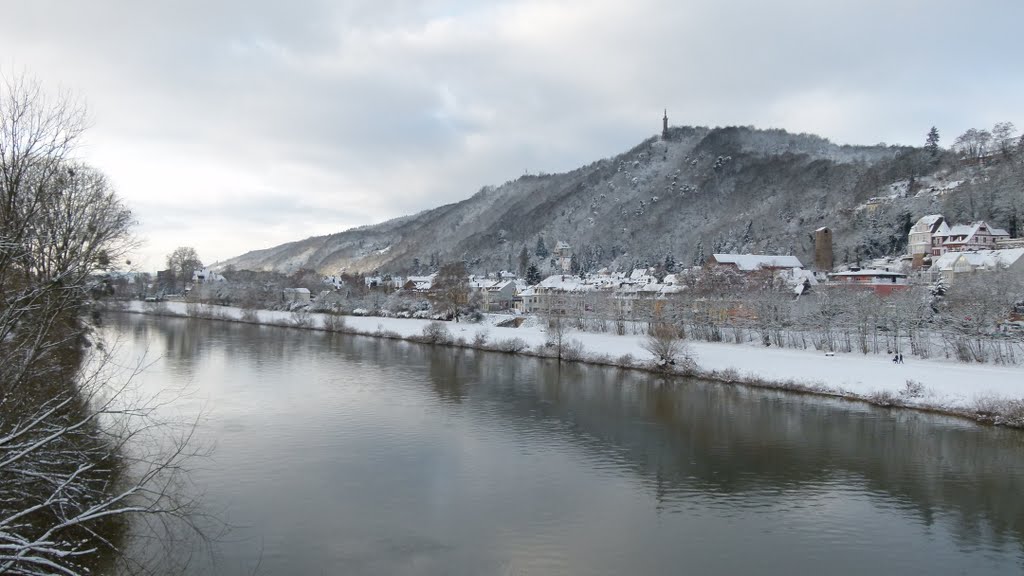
928	221
297	290
565	283
969	230
479	283
962	230
867	272
980	259
639	273
750	262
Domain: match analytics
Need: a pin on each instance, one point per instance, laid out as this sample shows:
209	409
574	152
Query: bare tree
450	291
667	348
183	262
70	471
975	306
1003	134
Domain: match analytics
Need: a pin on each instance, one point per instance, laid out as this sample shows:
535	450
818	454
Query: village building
499	296
964	237
419	283
919	239
563	256
755	262
882	282
823	259
952	265
296	295
206	275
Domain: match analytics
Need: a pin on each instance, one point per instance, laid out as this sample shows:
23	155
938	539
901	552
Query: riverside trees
69	479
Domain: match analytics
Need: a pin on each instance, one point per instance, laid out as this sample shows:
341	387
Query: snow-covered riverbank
982	391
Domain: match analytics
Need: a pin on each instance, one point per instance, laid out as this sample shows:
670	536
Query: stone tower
823	261
664	126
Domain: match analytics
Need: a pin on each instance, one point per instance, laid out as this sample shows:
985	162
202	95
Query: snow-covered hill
698	191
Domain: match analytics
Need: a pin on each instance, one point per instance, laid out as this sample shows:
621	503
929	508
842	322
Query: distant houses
953	264
935	249
932	236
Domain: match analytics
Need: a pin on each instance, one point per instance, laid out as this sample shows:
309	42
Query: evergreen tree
533	275
524	261
670	264
542	250
574	265
698	254
931	144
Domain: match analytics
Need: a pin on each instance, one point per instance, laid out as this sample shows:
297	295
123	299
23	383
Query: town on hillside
957	290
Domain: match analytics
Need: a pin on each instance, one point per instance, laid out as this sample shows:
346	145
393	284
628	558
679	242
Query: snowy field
947	385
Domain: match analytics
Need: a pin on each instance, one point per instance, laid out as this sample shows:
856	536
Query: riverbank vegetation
74	470
984	394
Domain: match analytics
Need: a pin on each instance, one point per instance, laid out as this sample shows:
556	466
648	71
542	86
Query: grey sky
239	125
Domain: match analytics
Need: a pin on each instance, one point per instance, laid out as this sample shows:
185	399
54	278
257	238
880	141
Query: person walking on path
901	357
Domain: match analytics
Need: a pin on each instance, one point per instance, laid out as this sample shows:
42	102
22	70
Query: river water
335	454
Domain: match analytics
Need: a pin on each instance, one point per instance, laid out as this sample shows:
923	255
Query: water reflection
469	444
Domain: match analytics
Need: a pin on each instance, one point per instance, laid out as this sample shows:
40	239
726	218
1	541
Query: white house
299	295
563	254
953	264
206	275
919	239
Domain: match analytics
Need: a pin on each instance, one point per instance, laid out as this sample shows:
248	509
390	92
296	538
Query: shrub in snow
300	319
511	345
480	339
884	398
436	333
334	323
912	389
251	316
571	350
665	346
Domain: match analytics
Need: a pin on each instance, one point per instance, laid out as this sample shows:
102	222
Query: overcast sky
236	125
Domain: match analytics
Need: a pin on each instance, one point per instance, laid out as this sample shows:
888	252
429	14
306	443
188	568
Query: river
338	454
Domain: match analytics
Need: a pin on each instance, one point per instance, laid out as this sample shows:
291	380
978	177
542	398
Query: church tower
664	126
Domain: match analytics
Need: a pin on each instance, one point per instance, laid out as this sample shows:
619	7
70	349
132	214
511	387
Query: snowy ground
948	385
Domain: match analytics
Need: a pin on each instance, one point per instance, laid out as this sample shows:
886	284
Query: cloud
349	113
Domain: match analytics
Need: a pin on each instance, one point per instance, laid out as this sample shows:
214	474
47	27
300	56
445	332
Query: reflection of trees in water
723	441
732	441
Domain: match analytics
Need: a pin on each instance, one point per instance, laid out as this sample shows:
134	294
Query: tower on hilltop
664	126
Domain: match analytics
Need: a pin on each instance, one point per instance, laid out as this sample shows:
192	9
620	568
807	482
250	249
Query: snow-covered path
947	384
